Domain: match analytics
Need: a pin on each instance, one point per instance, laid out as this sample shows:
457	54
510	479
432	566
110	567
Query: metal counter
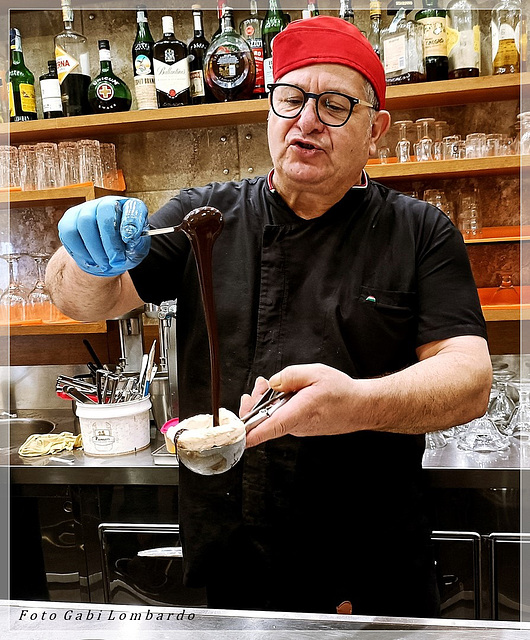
53	621
447	467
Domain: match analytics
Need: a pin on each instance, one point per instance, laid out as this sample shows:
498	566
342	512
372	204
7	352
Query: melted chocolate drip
202	226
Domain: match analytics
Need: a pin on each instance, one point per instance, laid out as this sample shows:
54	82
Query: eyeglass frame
316	96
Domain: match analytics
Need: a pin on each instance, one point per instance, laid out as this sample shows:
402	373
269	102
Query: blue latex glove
104	236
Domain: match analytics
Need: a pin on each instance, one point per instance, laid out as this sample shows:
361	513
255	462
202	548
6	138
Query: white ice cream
201	435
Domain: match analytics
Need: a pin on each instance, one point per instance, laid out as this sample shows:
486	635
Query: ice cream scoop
208	449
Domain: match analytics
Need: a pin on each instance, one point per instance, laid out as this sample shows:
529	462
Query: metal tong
269	402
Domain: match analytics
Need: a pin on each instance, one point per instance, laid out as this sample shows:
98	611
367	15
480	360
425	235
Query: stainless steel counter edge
52	620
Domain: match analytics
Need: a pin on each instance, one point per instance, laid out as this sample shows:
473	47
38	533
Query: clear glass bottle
21	84
463	39
73	66
107	93
250	29
505	28
275	21
197	47
374	35
142	59
434	21
524	133
229	66
50	91
402	50
346	11
172	73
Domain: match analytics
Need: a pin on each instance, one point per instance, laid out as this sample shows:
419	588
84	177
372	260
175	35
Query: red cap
327	39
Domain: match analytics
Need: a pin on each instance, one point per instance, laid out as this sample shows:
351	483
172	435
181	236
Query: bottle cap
167	24
103	44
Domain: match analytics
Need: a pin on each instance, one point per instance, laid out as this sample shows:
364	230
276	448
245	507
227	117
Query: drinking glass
12	301
109	166
39	303
482	436
27	163
450	147
506	293
423	149
9	171
469	217
69	162
524	140
475	145
403	144
435	440
501	406
519	425
384	154
493	144
90	162
439	130
438	198
47	160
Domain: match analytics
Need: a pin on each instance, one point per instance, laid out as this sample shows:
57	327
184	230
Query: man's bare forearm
82	296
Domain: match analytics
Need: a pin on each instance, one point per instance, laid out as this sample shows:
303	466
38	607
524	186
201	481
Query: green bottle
275	21
107	93
434	21
21	84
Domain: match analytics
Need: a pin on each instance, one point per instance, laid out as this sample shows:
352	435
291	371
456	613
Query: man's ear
380	125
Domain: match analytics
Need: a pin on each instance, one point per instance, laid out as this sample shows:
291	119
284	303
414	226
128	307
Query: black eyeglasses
333	108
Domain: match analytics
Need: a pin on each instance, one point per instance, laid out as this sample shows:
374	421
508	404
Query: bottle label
145	90
249	30
435	36
172	79
142	65
104	90
27	97
267	73
12	113
257	50
104	55
463	48
197	89
228	68
65	63
50	90
395	54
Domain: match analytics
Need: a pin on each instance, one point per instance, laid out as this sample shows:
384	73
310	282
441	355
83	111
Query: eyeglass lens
333	109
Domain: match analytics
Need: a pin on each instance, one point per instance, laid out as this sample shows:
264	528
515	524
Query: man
355	296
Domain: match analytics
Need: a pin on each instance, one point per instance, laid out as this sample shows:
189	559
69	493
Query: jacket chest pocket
398	304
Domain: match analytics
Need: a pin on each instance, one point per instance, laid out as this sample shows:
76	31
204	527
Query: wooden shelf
501	234
421	95
53	328
442	169
48	197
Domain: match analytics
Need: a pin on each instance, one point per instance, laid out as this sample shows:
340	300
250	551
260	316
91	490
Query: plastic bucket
114	429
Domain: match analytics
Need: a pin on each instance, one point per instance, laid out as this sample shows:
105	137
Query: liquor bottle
229	63
21	84
313	9
346	11
505	28
142	58
374	35
275	21
199	91
221	4
73	67
172	73
107	93
250	29
50	91
463	39
434	21
402	50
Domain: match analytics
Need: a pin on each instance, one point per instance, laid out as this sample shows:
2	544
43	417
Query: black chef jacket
302	524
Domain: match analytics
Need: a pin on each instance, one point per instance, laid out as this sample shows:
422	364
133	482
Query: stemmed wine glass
403	144
423	148
519	425
13	300
506	293
501	406
482	436
39	304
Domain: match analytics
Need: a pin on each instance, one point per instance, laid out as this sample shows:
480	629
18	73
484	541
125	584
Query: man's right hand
104	236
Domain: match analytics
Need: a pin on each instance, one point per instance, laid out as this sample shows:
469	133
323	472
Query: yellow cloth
44	444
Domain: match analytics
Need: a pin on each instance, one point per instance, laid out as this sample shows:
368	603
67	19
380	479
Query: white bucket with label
114	429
